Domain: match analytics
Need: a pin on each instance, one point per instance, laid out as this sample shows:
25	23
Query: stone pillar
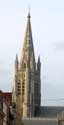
26	103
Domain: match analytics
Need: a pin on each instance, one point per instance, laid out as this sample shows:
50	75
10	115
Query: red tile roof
7	95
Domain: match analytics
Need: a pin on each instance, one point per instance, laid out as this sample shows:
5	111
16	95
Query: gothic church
27	82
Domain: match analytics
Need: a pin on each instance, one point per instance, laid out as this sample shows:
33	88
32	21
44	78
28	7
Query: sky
47	21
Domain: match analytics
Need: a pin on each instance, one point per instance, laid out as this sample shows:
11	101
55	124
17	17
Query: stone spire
28	48
27	78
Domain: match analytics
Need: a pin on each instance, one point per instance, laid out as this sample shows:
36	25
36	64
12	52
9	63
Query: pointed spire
28	48
28	33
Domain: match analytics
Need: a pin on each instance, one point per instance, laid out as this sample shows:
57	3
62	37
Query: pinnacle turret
39	64
16	63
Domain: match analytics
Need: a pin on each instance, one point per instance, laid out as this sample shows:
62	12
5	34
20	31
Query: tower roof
28	48
28	32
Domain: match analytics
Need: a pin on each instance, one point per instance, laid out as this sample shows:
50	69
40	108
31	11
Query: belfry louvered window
19	87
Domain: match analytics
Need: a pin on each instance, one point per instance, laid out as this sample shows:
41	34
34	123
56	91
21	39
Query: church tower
27	83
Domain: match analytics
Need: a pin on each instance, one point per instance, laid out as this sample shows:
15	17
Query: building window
23	87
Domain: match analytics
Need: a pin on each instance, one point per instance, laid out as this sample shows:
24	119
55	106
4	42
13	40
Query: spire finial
29	12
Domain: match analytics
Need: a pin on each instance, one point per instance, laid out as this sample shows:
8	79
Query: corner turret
16	64
39	64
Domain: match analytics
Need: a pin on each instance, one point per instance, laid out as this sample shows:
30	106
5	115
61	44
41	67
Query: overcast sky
47	20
